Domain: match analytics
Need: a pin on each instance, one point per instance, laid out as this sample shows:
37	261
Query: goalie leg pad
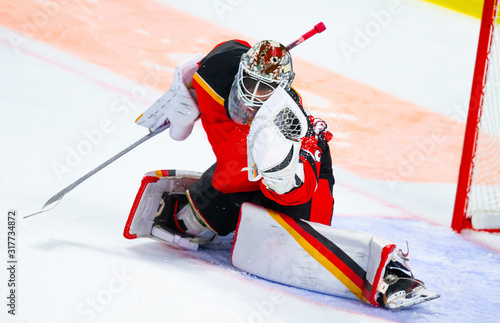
150	213
310	255
153	185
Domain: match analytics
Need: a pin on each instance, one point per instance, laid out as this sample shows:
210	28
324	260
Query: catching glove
273	143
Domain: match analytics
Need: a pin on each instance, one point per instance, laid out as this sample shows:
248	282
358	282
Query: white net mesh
484	196
289	124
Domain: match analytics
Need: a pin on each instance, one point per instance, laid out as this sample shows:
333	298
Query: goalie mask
266	66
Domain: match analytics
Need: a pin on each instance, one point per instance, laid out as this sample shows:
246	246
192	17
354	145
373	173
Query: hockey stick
318	28
54	200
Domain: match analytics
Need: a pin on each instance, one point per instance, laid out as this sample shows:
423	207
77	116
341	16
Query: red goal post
477	202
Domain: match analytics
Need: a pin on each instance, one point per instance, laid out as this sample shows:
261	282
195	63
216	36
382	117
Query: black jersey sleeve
220	66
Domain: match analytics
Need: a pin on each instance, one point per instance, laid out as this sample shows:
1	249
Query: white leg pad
154	184
310	255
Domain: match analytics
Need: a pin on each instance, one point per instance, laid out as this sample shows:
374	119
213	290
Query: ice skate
400	288
177	224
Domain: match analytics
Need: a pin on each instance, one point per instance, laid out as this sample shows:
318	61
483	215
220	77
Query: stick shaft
54	200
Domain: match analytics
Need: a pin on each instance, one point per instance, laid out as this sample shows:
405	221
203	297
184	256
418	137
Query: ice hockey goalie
269	194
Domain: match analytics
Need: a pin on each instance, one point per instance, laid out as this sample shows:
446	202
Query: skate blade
417	297
220	242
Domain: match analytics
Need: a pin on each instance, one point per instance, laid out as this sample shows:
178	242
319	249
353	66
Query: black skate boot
401	289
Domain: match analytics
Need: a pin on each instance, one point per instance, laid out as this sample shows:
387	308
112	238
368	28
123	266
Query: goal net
477	204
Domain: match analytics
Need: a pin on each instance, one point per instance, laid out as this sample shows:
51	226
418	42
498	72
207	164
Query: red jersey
212	83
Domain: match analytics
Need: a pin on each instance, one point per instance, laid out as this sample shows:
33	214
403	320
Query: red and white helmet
267	65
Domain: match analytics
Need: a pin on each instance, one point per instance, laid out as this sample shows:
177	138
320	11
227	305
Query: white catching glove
273	144
177	105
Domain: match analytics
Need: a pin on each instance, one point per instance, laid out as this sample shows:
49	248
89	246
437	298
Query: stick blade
49	205
52	202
